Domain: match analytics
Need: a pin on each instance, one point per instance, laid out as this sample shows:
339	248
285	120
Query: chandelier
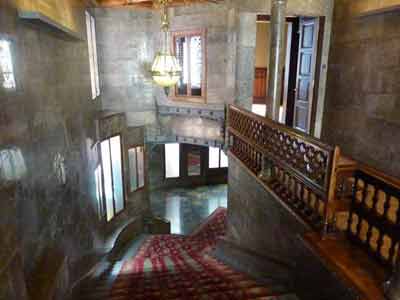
166	70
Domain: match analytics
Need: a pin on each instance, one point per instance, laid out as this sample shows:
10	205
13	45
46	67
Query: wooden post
329	213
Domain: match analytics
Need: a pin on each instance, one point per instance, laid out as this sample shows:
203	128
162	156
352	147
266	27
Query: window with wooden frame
112	183
190	50
136	168
217	158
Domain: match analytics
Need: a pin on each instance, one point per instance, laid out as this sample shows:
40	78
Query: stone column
276	64
276	61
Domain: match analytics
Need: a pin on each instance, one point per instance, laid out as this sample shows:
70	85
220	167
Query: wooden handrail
269	137
285	128
301	166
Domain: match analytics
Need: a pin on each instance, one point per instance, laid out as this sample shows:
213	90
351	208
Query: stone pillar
276	62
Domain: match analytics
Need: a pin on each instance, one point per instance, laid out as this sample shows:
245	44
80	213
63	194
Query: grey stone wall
127	43
50	114
128	40
362	113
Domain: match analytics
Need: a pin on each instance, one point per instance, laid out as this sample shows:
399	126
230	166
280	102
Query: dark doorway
301	72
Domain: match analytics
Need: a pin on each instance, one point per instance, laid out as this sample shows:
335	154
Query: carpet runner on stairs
180	267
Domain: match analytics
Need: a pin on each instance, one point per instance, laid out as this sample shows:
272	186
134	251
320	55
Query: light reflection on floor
185	208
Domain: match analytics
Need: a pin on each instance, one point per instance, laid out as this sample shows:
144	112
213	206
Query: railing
374	215
299	166
320	185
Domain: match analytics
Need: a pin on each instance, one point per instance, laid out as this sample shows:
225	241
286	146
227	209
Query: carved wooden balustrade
299	166
374	215
328	191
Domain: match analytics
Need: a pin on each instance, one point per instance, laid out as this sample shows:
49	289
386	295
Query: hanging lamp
166	70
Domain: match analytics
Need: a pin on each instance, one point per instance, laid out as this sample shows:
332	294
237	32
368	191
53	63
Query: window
112	183
136	168
259	109
172	160
194	163
59	168
217	158
94	68
12	165
7	77
190	51
99	189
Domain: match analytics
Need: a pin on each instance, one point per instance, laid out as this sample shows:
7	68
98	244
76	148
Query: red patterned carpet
179	267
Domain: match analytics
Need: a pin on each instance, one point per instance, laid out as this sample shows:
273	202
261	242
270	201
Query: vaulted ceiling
147	3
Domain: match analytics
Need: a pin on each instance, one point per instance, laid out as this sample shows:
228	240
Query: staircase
178	267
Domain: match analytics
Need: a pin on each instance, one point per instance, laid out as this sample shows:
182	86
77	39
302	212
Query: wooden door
308	44
260	86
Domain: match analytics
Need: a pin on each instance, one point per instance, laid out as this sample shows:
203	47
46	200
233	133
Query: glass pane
105	157
7	78
259	109
213	158
194	163
95	62
172	160
140	162
116	160
99	189
12	165
181	52
89	36
224	160
196	64
132	170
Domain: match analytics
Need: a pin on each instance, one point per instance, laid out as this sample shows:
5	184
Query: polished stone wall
362	113
50	119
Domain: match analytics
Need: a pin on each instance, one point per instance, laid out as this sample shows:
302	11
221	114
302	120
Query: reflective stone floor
185	208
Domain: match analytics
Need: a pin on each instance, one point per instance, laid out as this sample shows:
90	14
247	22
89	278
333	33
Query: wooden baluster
392	252
380	245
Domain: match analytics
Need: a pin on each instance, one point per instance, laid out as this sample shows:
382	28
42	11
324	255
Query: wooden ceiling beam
148	3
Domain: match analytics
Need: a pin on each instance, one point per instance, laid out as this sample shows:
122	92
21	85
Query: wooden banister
300	165
318	183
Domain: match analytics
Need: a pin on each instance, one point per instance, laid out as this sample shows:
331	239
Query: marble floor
186	208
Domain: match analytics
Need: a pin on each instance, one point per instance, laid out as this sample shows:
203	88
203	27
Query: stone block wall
126	41
362	112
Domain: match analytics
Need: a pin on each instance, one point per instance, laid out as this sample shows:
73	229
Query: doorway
302	57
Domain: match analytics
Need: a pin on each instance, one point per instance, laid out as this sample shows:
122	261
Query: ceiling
147	3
